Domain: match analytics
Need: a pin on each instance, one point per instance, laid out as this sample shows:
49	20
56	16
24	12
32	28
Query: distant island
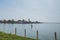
19	21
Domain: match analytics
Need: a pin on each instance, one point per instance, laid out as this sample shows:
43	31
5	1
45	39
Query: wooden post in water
25	33
15	31
37	35
55	35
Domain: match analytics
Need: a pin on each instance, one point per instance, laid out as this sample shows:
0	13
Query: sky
36	10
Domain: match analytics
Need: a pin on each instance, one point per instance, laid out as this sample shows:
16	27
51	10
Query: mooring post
15	31
25	33
55	35
37	35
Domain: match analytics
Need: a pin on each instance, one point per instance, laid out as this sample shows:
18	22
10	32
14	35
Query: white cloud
28	9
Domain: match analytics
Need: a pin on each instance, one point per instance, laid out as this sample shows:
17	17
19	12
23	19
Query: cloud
40	9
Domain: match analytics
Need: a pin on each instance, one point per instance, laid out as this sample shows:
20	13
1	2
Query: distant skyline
36	10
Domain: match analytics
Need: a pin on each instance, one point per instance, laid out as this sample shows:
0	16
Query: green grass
5	36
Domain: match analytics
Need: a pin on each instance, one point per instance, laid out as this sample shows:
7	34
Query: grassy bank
5	36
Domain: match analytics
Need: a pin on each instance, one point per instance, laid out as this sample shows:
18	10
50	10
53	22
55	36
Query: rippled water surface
45	31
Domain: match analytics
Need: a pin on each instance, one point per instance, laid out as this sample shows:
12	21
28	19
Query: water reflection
46	31
31	26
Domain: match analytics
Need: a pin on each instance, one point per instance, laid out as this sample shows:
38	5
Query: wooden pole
55	35
25	33
37	35
15	31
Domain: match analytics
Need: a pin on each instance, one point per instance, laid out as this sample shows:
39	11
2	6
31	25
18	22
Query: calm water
46	31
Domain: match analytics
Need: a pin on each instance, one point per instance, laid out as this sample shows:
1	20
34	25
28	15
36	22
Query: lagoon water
45	31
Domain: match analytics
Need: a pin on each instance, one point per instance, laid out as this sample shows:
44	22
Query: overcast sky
40	10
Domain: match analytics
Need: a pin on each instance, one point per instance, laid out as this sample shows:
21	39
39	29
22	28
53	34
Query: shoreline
23	23
8	36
